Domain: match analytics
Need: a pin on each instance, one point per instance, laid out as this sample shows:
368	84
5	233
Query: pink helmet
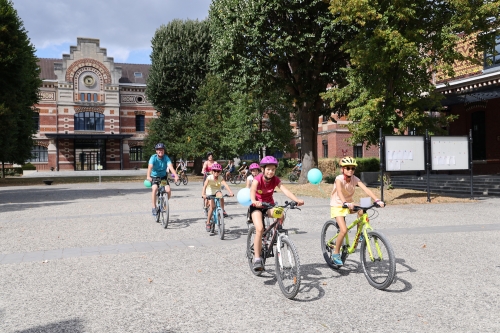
216	167
269	160
254	166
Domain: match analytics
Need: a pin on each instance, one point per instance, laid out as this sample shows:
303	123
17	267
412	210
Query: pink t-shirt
347	190
265	189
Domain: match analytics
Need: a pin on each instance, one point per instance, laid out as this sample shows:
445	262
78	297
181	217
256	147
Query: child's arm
223	182
171	168
370	193
204	188
290	195
253	191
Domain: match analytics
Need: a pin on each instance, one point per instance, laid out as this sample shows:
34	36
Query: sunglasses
350	168
218	171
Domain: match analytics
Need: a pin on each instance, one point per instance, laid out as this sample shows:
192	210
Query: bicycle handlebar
214	197
356	208
291	204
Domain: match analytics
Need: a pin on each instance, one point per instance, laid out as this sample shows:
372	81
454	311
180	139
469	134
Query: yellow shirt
213	185
347	190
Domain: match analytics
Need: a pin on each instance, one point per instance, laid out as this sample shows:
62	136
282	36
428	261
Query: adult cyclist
158	165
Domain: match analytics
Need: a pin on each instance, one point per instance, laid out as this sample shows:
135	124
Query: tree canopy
19	83
393	57
291	47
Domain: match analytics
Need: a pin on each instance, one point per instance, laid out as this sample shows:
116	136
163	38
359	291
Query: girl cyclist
207	168
213	184
342	193
262	190
254	170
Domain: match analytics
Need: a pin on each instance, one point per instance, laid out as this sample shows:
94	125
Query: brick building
92	111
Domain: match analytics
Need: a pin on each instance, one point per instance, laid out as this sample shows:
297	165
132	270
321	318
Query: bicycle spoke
378	260
288	268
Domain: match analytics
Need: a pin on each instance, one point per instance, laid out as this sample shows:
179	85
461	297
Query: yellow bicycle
377	256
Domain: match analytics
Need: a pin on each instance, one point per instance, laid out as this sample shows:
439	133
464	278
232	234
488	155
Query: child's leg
259	230
222	203
210	210
343	230
153	195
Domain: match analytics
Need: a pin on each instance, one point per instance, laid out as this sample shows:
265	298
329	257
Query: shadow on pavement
72	325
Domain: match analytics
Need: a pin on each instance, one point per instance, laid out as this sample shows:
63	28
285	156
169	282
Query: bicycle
379	266
217	214
162	206
181	177
293	176
275	243
237	179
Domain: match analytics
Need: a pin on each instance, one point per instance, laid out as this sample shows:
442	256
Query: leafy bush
144	165
28	166
13	171
368	164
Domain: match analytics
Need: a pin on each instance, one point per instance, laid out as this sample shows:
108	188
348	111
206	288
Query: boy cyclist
262	190
342	193
210	187
158	165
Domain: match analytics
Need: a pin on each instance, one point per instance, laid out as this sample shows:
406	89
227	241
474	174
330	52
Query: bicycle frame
364	227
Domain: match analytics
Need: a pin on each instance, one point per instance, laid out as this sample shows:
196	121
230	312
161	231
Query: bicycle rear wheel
328	232
250	251
185	180
220	225
380	271
293	177
237	179
288	268
164	210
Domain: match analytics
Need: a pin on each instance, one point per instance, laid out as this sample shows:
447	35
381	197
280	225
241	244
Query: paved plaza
89	258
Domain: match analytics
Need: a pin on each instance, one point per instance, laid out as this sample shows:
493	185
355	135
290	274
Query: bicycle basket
163	182
278	212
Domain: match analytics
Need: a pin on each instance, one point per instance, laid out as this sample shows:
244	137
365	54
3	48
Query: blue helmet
160	146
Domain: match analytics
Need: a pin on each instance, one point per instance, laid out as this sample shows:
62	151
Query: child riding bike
157	170
254	170
262	190
213	184
341	196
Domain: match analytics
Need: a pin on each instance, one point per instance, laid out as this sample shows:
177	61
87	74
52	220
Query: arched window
89	121
39	154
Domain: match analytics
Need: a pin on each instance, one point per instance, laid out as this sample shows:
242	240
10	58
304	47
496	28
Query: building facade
92	112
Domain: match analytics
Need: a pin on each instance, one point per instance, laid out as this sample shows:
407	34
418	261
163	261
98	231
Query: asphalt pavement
89	258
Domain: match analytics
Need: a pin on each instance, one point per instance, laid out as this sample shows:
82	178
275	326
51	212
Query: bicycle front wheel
164	211
220	225
250	250
287	268
380	267
327	244
185	180
237	179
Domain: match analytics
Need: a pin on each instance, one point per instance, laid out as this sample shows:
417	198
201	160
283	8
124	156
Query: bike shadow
400	285
178	223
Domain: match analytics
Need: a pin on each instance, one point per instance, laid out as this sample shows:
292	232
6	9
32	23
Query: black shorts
157	180
252	208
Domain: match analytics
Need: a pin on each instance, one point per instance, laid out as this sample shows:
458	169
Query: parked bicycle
276	243
217	220
377	256
162	207
293	176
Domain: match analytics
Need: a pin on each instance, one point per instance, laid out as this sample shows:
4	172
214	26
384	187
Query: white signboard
450	152
404	153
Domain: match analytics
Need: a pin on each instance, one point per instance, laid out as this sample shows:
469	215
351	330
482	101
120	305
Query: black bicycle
275	243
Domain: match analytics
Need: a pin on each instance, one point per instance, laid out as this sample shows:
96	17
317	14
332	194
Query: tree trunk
198	165
308	140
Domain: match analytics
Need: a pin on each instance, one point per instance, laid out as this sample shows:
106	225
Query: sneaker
257	265
208	227
336	259
361	239
225	214
153	211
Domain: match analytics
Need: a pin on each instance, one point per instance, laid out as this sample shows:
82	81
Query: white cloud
123	26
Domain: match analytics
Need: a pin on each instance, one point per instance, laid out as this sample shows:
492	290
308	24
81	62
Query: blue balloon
147	183
314	176
244	197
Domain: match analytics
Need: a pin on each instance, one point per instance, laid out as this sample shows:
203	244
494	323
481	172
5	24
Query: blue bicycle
218	214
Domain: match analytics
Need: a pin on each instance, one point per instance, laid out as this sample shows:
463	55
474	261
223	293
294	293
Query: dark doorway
478	135
90	154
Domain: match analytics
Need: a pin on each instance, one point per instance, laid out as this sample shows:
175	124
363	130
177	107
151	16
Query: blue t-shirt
159	165
299	166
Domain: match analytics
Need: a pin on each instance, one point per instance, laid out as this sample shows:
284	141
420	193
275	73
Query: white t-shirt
348	189
250	179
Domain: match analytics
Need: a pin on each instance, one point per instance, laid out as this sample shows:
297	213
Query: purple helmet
216	167
254	166
269	160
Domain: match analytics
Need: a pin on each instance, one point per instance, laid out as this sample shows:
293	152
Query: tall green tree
291	47
398	48
19	83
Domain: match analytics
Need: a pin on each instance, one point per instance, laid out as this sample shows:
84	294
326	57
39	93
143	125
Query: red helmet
269	160
254	166
216	167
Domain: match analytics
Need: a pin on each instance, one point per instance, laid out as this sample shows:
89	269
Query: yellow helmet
348	160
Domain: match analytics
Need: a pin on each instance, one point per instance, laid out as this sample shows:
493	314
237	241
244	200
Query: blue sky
124	27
